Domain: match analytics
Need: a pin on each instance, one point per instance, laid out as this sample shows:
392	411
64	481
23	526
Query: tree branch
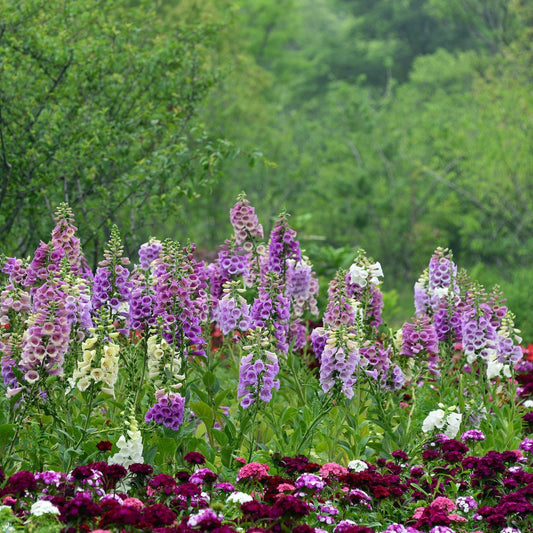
57	81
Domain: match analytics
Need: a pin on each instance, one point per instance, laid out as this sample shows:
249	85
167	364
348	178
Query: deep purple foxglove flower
181	303
282	247
168	410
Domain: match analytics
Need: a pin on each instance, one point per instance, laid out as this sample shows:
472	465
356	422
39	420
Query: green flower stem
18	426
299	390
144	341
246	417
325	408
92	395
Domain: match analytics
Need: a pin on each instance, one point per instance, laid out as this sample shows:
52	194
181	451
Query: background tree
98	105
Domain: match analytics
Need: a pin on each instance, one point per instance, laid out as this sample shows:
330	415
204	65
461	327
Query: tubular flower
339	362
258	372
164	364
130	449
100	361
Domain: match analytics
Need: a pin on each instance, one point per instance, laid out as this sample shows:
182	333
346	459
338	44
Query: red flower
104	445
194	458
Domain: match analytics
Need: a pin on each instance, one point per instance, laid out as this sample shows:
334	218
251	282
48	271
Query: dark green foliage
98	103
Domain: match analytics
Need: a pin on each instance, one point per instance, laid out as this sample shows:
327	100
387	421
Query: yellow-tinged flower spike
164	364
99	362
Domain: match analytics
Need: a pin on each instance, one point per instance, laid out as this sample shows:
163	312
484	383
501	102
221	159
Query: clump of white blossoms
449	423
362	275
130	450
357	465
43	507
238	498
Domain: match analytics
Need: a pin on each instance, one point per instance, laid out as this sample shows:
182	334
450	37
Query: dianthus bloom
526	445
472	435
203	475
41	507
332	469
256	471
466	503
357	465
310	481
194	458
206	519
238	498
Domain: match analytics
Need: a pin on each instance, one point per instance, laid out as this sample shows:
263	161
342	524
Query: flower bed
176	395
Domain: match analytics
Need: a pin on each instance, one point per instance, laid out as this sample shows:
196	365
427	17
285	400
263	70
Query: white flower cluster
162	360
98	365
361	275
131	450
238	498
42	507
495	367
448	423
357	465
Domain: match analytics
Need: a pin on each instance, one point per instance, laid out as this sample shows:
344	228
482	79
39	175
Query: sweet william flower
256	471
43	507
238	498
357	465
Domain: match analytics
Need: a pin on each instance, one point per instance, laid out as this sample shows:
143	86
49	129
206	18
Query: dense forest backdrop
392	125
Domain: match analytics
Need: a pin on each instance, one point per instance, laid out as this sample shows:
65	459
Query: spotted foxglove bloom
270	311
301	287
245	223
282	247
47	338
362	285
232	313
258	371
363	272
100	361
437	284
378	365
149	252
419	340
181	303
339	362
